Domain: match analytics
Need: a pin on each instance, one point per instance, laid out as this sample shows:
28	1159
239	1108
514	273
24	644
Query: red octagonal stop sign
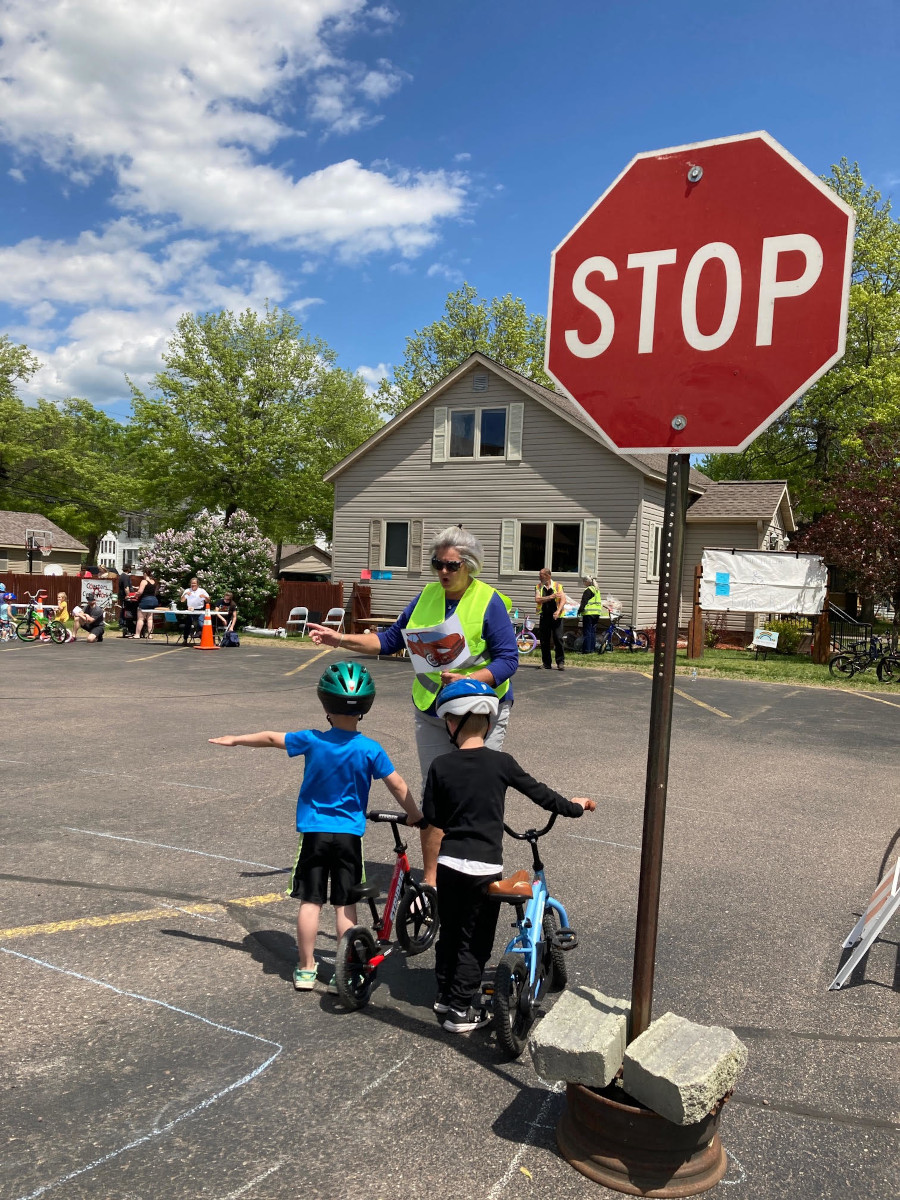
701	295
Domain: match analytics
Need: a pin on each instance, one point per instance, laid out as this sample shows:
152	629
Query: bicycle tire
889	669
842	664
513	1014
526	643
639	641
28	630
417	928
58	633
352	977
558	973
603	645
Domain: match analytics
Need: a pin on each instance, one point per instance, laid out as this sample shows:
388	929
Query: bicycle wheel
352	977
417	919
558	974
526	643
28	630
603	645
842	664
639	641
889	669
513	1014
58	633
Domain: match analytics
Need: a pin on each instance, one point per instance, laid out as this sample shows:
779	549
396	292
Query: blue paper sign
723	583
382	575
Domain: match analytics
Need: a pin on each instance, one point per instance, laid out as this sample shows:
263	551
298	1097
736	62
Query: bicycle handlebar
393	817
532	833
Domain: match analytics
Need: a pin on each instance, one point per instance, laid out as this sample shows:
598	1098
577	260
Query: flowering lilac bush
233	557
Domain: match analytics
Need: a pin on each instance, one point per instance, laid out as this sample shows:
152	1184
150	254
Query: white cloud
372	376
182	101
16	174
441	269
464	157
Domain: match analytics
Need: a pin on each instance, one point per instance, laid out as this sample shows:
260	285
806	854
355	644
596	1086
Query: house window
478	433
654	542
396	544
549	543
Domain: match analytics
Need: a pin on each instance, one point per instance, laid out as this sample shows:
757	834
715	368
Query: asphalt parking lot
155	1046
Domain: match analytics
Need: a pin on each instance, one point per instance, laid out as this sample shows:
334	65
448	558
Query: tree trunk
278	547
93	541
229	513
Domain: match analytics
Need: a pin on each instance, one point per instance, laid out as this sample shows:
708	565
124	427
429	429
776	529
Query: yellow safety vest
594	606
431	610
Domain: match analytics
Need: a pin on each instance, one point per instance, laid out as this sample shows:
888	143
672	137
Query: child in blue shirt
339	766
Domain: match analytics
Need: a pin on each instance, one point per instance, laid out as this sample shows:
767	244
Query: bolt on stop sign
701	295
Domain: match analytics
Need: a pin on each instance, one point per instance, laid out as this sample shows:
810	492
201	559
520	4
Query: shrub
789	635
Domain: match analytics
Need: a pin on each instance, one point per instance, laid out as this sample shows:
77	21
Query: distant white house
521	467
121	549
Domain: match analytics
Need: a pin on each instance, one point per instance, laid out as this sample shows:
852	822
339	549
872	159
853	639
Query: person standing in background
589	610
550	600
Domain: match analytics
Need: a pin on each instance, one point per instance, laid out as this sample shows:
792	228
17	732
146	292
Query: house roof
744	500
653	465
14	524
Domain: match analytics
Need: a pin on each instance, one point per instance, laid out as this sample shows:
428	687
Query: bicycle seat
363	891
515	889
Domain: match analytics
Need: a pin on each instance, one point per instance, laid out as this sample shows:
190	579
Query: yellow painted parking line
144	657
130	918
303	666
874	699
693	699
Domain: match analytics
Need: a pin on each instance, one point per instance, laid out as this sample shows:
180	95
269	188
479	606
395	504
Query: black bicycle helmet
346	689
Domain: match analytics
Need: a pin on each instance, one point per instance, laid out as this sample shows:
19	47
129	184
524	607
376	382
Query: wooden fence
70	584
317	597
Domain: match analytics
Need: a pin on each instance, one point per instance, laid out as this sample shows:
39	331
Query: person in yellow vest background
550	600
455	627
589	610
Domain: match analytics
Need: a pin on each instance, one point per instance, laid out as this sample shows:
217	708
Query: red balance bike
413	906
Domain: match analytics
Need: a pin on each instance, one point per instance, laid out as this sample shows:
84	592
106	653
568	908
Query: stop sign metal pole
661	700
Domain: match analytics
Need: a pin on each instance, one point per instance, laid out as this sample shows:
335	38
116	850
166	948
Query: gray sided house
521	467
15	527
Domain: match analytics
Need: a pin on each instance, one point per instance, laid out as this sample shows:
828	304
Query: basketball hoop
45	550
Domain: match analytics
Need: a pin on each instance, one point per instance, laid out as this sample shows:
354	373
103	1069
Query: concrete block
582	1039
680	1069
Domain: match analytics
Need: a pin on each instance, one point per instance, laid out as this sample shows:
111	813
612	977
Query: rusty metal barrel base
626	1147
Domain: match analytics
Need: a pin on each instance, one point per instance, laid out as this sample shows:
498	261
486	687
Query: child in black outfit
465	797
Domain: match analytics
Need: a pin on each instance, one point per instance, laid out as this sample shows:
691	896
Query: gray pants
432	738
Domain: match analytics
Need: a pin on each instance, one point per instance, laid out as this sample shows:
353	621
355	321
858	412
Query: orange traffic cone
207	641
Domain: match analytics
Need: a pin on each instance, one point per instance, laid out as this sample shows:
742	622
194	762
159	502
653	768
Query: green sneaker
305	981
332	986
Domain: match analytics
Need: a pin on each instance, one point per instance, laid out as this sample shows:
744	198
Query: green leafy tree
501	328
231	557
816	440
71	462
248	414
16	362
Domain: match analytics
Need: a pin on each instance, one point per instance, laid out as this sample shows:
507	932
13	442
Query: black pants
468	923
550	634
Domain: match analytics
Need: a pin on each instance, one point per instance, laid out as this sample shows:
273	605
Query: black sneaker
465	1022
440	1005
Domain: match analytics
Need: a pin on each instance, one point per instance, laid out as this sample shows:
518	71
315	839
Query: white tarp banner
762	581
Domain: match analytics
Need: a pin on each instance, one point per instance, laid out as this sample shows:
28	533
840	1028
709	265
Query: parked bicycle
534	959
888	668
361	950
860	657
526	638
618	635
36	624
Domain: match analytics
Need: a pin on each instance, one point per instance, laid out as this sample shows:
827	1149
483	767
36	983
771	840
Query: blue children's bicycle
534	956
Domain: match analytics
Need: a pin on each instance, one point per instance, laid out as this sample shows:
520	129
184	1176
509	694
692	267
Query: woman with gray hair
457	627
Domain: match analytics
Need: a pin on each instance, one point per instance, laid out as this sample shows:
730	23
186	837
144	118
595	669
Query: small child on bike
339	766
465	794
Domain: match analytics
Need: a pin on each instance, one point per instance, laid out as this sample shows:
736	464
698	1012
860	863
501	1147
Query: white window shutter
507	547
590	550
416	530
376	534
514	432
439	437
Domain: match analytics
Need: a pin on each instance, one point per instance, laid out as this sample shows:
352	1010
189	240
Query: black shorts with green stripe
321	857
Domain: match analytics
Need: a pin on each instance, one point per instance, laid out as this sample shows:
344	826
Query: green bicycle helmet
346	689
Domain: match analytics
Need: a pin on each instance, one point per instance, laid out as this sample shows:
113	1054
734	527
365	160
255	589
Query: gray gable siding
648	590
562	476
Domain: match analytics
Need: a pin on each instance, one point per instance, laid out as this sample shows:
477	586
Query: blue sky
355	161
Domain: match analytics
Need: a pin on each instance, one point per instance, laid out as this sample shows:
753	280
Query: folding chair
335	619
298	616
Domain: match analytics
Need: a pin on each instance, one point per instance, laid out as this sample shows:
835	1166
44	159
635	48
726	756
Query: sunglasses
445	564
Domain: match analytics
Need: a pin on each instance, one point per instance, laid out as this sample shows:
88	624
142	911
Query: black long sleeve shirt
465	795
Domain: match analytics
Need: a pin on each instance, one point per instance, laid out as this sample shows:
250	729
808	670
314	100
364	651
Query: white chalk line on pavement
246	862
622	845
253	1182
381	1079
742	1178
21	761
154	1133
196	787
537	1123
